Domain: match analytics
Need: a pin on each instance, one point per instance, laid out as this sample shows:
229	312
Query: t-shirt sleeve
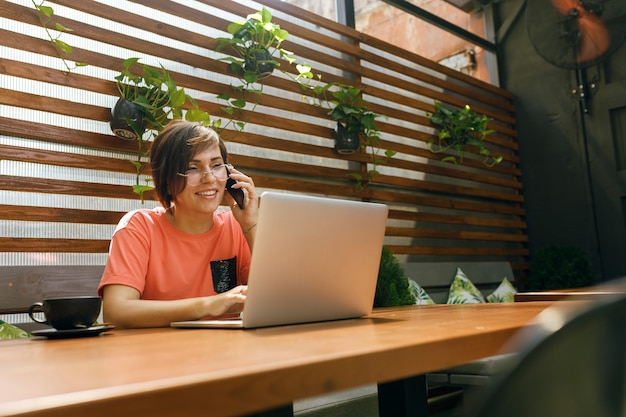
129	250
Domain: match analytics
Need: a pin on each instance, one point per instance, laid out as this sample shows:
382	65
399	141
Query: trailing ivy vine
45	15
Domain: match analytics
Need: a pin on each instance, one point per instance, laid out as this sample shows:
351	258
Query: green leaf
234	27
304	70
140	189
281	34
289	59
177	99
239	103
196	115
449	159
62	28
63	46
250	77
191	100
129	62
46	10
266	16
232	60
9	331
355	176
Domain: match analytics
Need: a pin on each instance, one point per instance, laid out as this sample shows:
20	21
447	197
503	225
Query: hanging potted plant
356	124
127	119
147	103
149	99
255	43
255	48
459	129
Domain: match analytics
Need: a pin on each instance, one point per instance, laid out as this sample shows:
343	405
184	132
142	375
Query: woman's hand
229	302
247	217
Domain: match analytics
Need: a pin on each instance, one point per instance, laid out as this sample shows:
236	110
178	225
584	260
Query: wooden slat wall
438	211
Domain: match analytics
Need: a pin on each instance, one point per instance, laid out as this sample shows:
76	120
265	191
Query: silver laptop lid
314	259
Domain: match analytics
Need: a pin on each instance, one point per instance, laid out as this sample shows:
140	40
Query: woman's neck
193	225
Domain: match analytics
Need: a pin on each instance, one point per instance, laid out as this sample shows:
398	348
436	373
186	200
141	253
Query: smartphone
237	193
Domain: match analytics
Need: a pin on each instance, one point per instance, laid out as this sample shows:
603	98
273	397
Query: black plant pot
260	62
346	142
124	115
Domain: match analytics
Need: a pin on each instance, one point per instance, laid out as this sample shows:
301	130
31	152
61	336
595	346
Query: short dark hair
171	152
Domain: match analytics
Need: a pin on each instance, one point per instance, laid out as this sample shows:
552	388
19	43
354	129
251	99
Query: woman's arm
123	307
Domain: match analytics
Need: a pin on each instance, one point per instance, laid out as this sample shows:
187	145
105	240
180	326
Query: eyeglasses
195	175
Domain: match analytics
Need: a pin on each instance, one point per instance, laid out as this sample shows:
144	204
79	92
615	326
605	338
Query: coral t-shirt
162	263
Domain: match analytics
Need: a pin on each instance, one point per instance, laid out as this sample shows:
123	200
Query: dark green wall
559	197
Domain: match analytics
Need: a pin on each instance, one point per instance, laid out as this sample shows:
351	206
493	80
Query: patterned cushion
421	296
463	291
505	293
9	331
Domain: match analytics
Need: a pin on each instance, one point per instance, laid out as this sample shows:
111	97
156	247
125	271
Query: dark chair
573	363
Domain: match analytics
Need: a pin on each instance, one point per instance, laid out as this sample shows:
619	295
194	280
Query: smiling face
172	153
202	197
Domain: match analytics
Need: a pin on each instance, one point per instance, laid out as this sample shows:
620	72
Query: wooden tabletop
563	295
167	372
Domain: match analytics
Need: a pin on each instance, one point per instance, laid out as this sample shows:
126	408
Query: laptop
314	259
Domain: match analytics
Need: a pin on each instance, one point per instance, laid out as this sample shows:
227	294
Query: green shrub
560	267
392	288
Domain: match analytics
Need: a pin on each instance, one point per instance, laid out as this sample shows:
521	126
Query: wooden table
175	372
598	292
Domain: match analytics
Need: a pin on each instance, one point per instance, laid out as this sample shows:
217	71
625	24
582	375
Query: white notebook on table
314	259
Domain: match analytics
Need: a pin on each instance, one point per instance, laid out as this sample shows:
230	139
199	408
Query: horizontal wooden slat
17	153
419	232
52	105
457	251
65	187
55	134
450	219
52	214
13	244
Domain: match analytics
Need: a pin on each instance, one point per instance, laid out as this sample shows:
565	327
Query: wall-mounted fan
576	34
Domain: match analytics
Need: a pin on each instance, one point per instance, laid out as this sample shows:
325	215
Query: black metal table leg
403	398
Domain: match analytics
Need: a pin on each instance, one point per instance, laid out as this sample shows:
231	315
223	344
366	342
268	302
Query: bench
435	277
24	285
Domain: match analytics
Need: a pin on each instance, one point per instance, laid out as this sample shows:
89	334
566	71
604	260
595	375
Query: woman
184	260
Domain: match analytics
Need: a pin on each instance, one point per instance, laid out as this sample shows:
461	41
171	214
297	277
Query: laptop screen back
314	259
